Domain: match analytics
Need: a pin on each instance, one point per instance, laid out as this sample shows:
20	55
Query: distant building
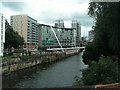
84	40
59	23
2	34
91	36
77	26
26	27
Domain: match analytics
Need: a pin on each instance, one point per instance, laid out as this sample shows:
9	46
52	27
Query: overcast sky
47	11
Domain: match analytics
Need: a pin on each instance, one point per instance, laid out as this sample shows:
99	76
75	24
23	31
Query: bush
43	48
91	53
104	71
24	58
6	72
78	81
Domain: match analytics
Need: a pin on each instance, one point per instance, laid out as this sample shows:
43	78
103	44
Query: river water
58	74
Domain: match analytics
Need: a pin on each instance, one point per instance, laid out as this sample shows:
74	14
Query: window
47	30
46	38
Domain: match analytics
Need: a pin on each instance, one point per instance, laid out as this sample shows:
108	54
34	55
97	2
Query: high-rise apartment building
2	34
67	36
77	26
27	28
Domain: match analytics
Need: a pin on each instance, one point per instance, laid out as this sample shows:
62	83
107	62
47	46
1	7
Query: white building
2	34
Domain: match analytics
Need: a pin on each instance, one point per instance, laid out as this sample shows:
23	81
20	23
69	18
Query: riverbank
60	73
15	64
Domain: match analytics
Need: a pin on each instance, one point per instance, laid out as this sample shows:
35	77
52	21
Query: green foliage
42	48
78	81
6	72
9	57
104	71
26	58
12	39
107	26
106	30
91	53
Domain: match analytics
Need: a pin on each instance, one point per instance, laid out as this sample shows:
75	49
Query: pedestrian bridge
65	48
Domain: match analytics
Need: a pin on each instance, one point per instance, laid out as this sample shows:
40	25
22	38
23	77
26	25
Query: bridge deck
65	48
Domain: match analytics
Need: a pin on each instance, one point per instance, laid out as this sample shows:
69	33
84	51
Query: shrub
6	72
104	71
91	53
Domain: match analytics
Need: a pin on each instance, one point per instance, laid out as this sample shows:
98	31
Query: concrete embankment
14	64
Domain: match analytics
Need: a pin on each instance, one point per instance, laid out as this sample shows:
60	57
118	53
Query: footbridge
71	48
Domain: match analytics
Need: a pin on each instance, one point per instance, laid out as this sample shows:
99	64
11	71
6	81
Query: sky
47	11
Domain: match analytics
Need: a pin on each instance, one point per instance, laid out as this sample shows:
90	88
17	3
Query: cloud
7	13
50	10
83	1
83	18
15	6
47	11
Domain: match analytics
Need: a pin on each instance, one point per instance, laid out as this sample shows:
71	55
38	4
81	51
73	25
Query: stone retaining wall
15	64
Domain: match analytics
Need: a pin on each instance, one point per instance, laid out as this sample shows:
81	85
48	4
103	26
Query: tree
12	39
91	53
106	42
107	27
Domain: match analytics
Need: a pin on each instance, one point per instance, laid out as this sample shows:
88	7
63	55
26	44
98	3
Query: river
58	74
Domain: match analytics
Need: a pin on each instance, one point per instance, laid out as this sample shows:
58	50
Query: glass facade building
66	36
